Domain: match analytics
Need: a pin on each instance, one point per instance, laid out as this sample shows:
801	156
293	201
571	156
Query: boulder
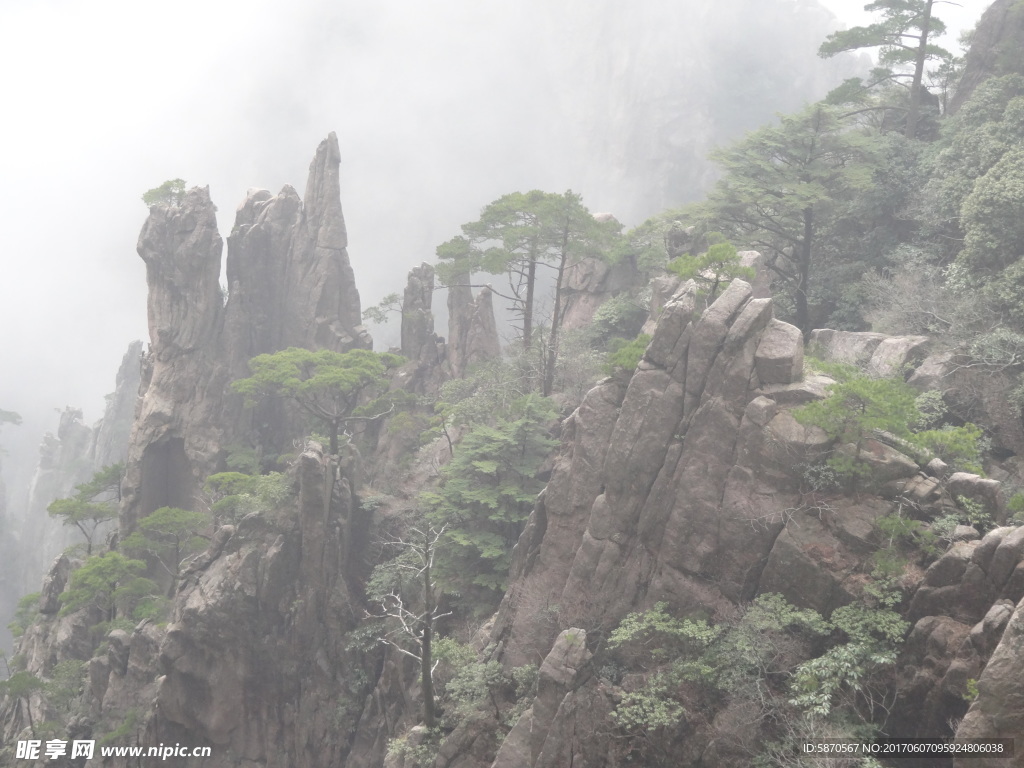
981	490
986	633
779	358
965	533
894	354
878	354
883	462
849	347
810	388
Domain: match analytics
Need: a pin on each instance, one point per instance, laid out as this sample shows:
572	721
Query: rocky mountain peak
290	283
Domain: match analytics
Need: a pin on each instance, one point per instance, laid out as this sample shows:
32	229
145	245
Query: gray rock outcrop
282	581
472	332
998	711
290	284
613	498
589	283
996	41
876	353
418	339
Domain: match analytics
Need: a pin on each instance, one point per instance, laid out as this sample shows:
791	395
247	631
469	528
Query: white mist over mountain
440	108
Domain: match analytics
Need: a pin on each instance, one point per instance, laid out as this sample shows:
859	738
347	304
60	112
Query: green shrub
24	614
624	356
171	192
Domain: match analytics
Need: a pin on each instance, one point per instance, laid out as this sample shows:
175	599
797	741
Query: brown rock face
616	495
250	661
998	712
290	284
682	486
589	283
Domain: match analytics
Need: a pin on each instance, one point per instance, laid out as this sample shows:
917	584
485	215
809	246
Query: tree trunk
335	428
556	321
426	652
531	279
88	538
916	87
803	317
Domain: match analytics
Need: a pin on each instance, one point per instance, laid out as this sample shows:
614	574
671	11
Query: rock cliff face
472	332
418	339
682	486
995	49
589	283
254	661
689	418
290	284
678	484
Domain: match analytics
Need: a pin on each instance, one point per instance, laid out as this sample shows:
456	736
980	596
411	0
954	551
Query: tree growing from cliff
518	235
712	269
487	491
110	582
860	406
903	35
171	192
856	407
94	503
20	685
378	313
335	388
411	627
170	535
232	495
783	189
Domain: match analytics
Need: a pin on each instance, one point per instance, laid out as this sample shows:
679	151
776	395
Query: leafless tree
414	627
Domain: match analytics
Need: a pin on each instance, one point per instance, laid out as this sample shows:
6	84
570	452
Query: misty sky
105	99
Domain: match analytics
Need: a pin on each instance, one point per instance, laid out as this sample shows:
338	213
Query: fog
439	107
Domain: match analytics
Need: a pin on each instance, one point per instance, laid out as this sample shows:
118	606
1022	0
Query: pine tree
334	388
903	36
486	494
519	234
783	189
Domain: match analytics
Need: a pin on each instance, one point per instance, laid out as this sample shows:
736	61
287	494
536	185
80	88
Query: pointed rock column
472	332
417	319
